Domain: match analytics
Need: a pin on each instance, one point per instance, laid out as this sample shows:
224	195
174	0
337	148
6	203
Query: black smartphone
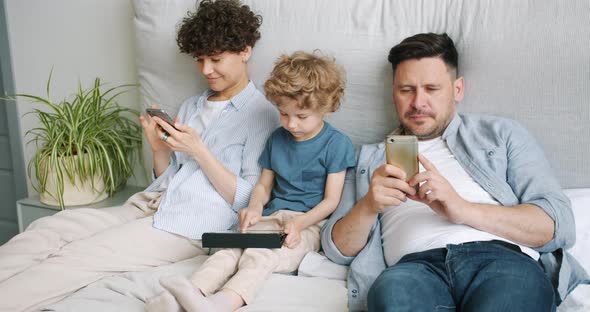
243	240
162	114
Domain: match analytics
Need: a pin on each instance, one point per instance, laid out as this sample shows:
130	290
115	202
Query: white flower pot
75	194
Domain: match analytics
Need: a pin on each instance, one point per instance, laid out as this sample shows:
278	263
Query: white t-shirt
209	112
414	227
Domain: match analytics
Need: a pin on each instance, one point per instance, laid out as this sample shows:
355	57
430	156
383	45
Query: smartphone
160	113
402	151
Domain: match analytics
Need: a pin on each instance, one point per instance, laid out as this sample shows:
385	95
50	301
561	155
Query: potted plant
86	146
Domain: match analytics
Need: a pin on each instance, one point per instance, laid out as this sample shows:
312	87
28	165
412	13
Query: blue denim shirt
505	160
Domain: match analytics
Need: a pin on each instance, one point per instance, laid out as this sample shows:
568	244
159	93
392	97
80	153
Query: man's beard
436	131
408	131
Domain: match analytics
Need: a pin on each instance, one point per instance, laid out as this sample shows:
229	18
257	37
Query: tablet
243	240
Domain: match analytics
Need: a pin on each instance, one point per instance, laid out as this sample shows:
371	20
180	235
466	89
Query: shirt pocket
496	160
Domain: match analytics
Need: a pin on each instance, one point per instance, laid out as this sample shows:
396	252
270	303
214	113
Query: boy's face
303	124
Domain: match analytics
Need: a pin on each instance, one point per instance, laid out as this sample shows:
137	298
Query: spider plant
91	125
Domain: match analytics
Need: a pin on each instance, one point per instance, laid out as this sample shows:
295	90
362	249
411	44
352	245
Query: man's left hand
436	192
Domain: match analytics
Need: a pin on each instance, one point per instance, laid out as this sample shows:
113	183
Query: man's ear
458	89
245	54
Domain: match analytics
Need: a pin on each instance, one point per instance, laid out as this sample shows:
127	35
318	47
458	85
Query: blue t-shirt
302	167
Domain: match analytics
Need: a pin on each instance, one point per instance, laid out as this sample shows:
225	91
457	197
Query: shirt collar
452	127
240	99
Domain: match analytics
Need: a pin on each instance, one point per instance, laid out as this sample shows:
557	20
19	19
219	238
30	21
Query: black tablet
243	240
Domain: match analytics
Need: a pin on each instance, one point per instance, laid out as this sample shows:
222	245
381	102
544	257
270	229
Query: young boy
304	164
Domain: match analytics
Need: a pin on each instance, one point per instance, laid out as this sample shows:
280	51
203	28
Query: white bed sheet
322	288
128	292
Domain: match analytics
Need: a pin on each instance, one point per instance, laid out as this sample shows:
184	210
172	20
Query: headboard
527	60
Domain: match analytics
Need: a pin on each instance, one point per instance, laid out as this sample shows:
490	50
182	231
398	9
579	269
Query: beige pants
58	255
254	265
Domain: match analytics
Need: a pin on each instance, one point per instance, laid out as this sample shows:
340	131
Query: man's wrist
470	214
365	208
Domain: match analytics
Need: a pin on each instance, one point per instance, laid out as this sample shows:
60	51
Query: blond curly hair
314	80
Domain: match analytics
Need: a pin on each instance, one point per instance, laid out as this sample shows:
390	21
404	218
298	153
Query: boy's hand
248	217
293	231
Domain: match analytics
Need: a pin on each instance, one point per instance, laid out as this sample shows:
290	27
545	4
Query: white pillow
501	65
581	206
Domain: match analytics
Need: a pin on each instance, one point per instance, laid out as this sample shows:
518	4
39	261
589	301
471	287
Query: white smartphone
402	151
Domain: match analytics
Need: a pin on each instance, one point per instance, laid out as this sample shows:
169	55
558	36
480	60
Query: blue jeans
475	276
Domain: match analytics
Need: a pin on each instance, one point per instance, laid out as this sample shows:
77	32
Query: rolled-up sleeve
347	201
531	178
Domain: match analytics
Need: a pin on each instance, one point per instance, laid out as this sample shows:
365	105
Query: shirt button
491	153
363	171
354	291
353	296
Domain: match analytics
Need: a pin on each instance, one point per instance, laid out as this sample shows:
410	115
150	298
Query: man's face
425	96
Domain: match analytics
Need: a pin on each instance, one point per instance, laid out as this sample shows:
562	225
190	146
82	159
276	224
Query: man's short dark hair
217	27
425	45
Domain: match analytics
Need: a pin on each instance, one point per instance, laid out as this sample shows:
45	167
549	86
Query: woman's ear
245	54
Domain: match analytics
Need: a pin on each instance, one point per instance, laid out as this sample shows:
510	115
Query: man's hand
248	217
436	192
387	188
293	230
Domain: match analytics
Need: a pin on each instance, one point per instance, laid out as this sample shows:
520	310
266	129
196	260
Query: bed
524	60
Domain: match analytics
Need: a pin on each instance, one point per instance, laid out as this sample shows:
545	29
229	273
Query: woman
220	134
205	168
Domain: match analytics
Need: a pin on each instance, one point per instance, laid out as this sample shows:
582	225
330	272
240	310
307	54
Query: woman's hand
153	133
293	230
181	138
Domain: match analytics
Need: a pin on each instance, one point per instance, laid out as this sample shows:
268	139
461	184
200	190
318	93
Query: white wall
80	40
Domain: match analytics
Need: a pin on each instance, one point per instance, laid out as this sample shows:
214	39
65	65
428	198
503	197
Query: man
481	227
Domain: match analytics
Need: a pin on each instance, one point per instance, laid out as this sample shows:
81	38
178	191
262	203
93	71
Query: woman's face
225	72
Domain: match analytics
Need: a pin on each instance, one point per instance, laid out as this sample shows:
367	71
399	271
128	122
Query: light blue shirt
502	157
190	205
302	167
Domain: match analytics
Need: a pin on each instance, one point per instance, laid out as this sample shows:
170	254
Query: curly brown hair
315	81
217	27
